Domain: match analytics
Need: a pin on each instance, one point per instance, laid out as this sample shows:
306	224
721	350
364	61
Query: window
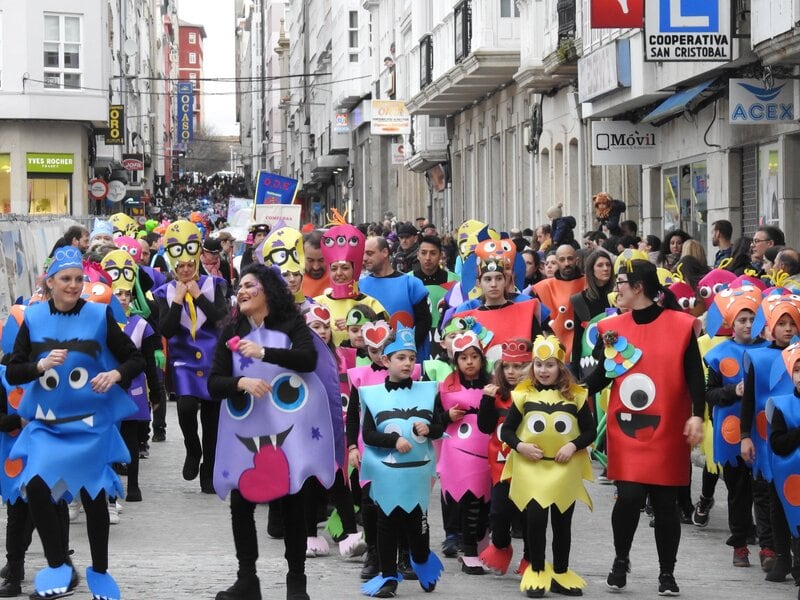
425	61
192	38
352	33
462	26
62	52
1	71
505	9
192	58
684	196
48	194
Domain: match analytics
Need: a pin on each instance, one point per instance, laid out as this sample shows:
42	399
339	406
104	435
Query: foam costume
438	370
10	469
397	295
283	249
123	225
555	294
268	446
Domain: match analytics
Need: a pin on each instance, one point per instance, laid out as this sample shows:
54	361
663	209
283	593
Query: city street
177	544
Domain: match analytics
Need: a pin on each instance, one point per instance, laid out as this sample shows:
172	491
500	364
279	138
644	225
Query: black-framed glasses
620	282
191	248
755	241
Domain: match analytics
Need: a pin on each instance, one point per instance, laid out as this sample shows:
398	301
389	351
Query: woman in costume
655	411
189	309
78	362
280	422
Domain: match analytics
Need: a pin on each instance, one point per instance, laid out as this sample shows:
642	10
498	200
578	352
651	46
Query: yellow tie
192	313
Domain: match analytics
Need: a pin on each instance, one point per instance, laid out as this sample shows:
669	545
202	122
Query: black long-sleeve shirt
373	437
586	426
717	392
693	374
783	440
169	314
22	367
301	357
749	397
353	418
488	414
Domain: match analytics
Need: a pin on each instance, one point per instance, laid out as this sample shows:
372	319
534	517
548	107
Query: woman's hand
254	386
249	349
565	452
748	450
102	382
53	359
180	293
693	430
354	458
193	289
530	451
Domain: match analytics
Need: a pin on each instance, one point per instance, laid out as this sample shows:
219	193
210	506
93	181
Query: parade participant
405	259
592	301
343	249
123	224
513	368
146	389
258	232
283	248
190	308
549	425
315	280
655	411
103	231
398	427
404	298
77	360
277	427
437	369
463	466
555	294
212	263
356	318
734	309
779	317
436	279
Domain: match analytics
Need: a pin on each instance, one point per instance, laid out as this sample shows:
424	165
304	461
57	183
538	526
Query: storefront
5	183
49	183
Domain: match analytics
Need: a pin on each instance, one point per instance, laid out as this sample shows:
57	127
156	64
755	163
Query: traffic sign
116	191
98	189
687	30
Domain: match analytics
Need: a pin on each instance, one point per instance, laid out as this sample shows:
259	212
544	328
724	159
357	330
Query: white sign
687	30
624	143
116	191
753	103
604	71
272	213
398	154
390	117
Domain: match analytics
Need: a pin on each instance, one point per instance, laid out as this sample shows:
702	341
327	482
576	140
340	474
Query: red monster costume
507	323
554	294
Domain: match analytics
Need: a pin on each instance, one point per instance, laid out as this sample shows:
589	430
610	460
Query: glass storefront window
685	191
671	215
769	209
5	183
48	195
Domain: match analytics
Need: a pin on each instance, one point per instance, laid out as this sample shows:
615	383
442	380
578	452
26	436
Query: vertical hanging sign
115	135
185	111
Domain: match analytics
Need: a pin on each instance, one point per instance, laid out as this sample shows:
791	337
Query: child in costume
549	426
512	369
399	460
780	316
146	389
463	465
734	309
784	440
356	318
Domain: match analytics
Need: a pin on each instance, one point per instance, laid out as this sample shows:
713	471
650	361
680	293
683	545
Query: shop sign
98	189
687	30
50	163
398	154
132	162
613	14
115	134
605	70
340	124
116	190
390	117
185	113
624	143
753	103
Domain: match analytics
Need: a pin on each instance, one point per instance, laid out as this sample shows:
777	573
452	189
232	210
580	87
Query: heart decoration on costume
318	313
464	340
375	334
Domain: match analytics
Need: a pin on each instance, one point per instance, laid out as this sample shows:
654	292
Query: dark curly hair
279	299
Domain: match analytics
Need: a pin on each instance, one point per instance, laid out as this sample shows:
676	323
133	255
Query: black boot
245	587
296	587
780	569
14	573
370	568
404	565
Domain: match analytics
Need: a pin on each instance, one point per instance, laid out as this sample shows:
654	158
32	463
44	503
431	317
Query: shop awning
678	103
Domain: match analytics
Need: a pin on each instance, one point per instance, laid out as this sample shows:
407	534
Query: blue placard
185	112
275	189
689	16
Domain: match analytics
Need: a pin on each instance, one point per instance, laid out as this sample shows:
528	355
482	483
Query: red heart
269	479
321	313
462	342
375	334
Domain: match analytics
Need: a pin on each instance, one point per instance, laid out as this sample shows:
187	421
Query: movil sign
753	103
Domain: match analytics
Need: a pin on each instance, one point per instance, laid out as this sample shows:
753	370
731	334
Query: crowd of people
338	372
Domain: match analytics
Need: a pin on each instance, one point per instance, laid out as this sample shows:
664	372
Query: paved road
177	544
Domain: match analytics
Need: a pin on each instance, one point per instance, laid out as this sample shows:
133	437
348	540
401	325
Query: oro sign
98	189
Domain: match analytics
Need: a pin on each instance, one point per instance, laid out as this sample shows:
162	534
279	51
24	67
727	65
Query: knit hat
101	227
554	212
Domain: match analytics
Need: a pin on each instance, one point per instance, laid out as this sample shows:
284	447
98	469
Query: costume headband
356	316
713	283
732	301
516	351
548	347
791	356
773	307
344	243
283	247
403	340
463	324
182	243
66	257
466	340
101	227
375	334
317	312
123	225
129	244
491	265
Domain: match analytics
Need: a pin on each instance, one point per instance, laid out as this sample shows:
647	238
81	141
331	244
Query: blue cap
66	257
102	227
403	340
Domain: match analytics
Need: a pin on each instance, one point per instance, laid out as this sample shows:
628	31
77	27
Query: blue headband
403	340
66	257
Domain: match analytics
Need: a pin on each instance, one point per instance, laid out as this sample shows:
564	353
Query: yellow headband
548	347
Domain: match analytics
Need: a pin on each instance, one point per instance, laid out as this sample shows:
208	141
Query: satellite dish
130	47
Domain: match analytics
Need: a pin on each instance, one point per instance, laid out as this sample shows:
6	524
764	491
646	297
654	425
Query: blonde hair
565	379
695	249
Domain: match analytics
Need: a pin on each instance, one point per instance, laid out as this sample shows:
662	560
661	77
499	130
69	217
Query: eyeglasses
620	282
755	241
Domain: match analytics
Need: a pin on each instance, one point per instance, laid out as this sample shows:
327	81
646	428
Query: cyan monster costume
9	473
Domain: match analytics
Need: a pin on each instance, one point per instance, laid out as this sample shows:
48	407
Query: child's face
400	364
322	329
375	355
124	297
743	326
545	371
796	375
493	285
514	372
447	342
354	333
783	332
469	363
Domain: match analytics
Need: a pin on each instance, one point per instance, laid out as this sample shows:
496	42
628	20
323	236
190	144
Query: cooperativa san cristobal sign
687	30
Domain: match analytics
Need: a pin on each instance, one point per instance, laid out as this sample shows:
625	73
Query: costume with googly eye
555	295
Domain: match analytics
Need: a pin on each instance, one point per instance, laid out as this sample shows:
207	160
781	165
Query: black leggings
314	495
536	535
19	530
49	518
130	433
739	481
245	538
625	518
501	514
209	419
412	526
474	517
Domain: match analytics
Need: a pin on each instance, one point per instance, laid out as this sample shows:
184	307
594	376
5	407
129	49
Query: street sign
98	189
615	14
116	190
687	30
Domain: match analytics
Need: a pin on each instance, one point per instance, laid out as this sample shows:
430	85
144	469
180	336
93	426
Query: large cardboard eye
637	392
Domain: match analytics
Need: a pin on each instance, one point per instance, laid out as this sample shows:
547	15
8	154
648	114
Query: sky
219	20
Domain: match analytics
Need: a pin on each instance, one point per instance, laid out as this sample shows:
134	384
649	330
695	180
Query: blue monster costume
268	446
9	473
400	480
72	437
785	469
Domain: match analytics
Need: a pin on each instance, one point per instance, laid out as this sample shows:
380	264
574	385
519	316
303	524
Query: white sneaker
353	545
74	508
113	514
120	507
317	546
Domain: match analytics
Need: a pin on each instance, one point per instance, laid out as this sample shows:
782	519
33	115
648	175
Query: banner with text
390	117
275	189
185	113
272	213
753	103
624	143
687	30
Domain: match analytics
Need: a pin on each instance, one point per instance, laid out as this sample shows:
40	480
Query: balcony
560	65
428	142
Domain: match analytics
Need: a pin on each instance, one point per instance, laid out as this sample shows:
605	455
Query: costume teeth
391	459
50	416
625	416
39	412
89	420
